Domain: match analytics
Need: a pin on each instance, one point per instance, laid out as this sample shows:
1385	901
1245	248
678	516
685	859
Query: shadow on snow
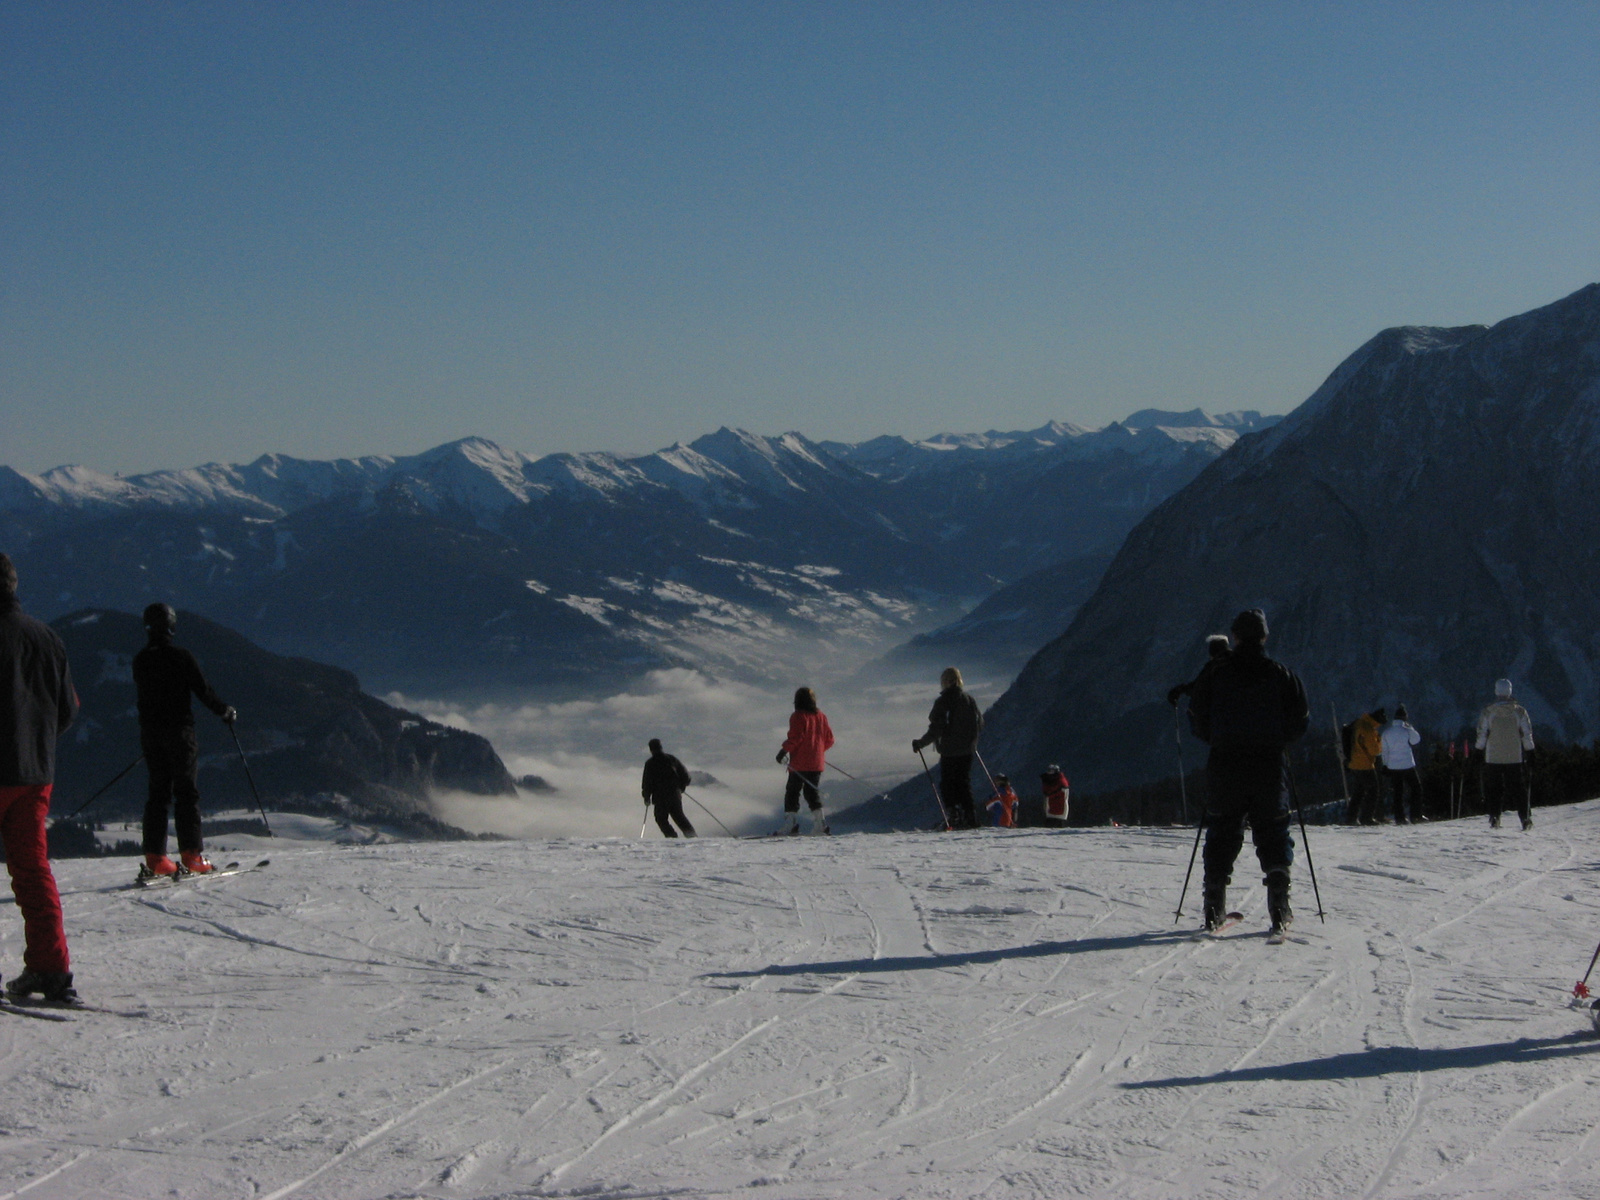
1394	1060
936	962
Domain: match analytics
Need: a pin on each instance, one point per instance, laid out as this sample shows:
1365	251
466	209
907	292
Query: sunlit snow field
921	1015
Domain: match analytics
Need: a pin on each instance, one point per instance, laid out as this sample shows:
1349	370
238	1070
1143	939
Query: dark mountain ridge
1426	522
317	743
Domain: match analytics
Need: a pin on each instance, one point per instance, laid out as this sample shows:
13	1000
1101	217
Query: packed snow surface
981	1014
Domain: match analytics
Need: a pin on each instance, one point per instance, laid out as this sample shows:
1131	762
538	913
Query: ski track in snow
973	1015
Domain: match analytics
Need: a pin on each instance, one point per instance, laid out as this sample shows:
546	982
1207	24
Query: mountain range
1425	523
470	569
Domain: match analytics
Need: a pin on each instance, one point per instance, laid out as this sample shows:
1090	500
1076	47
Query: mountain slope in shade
1426	522
316	741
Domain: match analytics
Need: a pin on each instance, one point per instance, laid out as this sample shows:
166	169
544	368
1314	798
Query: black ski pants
955	781
1504	786
1363	797
1246	784
669	808
802	782
171	756
1402	784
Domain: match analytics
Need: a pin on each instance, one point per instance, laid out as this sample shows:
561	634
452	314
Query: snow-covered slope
962	1015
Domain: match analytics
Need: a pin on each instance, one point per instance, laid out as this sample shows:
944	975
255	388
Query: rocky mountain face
471	570
316	742
1426	522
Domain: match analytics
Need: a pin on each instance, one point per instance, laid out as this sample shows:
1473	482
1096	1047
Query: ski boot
1527	824
1278	909
52	985
196	863
1216	906
819	822
1494	822
156	865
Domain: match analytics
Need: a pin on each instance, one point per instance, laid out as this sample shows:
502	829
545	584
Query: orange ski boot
159	864
196	863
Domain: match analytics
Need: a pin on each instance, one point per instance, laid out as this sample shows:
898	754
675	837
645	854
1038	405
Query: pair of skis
148	879
1275	938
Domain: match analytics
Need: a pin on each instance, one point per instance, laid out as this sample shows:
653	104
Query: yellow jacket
1367	744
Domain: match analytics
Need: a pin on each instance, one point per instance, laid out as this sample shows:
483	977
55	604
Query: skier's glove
230	715
1174	694
916	745
782	755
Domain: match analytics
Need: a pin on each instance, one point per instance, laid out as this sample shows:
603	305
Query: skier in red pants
36	703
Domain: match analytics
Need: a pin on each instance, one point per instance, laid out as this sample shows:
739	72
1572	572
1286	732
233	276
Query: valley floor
974	1015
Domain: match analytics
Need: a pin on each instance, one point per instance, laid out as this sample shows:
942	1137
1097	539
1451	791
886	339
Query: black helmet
160	618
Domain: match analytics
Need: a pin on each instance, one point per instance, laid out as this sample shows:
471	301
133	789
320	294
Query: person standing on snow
1504	733
1400	765
164	677
804	752
1366	748
954	724
1057	791
37	702
662	785
1248	710
1217	646
1002	805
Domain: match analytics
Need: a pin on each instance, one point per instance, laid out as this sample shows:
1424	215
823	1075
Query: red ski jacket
808	741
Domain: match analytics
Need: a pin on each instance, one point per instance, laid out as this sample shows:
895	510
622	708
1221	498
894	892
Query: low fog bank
592	752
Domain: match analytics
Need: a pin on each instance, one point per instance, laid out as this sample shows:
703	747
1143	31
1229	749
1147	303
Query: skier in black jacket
165	676
37	702
954	724
1248	708
663	784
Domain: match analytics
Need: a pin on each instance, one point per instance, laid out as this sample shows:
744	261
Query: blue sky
330	229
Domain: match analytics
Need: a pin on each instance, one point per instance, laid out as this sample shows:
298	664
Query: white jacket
1398	738
1504	732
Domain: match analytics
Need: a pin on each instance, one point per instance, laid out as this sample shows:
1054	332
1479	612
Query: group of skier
1247	707
37	703
1378	750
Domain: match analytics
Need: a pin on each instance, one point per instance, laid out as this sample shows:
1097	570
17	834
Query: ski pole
646	822
1580	990
1338	751
843	772
1183	787
1305	840
986	774
937	799
1198	829
714	817
106	788
251	779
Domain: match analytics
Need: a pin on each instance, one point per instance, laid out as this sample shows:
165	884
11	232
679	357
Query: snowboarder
1217	647
662	785
1366	746
1400	765
1002	805
37	702
804	752
954	724
1248	710
1057	791
164	677
1504	733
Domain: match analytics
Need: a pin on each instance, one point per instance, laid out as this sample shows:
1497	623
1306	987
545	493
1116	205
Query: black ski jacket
37	700
664	777
165	676
954	723
1248	702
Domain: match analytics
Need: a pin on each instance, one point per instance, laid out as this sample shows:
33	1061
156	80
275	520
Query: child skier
1056	791
1003	805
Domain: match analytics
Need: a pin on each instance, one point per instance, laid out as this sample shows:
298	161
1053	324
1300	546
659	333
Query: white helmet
1502	688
